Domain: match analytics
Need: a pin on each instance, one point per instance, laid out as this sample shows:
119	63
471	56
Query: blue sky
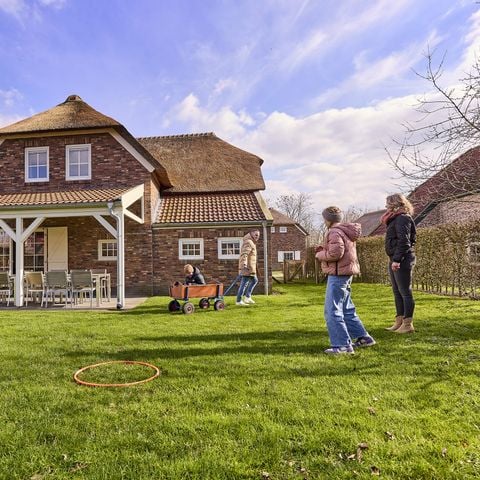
316	88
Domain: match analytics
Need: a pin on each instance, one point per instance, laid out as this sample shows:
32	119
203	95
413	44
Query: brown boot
407	326
397	324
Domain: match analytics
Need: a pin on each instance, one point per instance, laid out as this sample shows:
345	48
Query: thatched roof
75	114
205	163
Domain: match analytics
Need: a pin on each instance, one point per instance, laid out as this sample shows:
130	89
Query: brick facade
293	240
168	268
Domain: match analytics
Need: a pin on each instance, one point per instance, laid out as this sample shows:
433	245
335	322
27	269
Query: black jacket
400	237
195	278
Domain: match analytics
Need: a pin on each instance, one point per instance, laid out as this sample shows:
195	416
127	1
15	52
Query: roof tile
206	208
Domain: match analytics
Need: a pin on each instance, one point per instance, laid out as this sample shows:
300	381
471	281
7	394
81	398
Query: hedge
448	260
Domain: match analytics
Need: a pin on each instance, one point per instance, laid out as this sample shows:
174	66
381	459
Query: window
34	252
272	229
229	248
190	248
36	164
282	229
4	252
290	255
107	249
79	160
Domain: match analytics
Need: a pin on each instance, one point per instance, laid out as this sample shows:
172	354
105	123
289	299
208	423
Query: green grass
243	393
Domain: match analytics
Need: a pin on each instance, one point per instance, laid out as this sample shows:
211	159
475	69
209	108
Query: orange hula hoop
127	362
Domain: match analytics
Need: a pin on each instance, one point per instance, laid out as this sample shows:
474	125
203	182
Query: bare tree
447	125
298	206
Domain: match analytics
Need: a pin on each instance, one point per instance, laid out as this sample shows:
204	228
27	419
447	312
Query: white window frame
182	241
37	150
283	229
230	256
272	229
100	250
68	149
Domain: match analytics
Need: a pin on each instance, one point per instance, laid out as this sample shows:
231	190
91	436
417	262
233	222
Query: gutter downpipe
265	259
113	209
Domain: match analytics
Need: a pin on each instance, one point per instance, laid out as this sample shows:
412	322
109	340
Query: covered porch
25	216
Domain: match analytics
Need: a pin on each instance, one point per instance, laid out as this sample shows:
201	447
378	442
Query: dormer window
36	164
79	162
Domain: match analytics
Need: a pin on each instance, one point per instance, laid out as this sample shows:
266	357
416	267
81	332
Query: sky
316	88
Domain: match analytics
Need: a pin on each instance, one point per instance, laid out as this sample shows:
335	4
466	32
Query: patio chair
6	287
104	290
82	284
56	283
34	286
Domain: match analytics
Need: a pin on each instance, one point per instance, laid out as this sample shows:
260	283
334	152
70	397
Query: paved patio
130	303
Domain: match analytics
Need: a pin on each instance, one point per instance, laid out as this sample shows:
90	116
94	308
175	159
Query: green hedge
448	261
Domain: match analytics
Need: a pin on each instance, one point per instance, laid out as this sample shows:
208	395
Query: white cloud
21	9
346	26
336	155
13	7
8	98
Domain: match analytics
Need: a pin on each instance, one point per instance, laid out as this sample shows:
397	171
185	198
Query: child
339	262
193	275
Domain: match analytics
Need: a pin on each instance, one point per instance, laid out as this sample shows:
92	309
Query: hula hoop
126	362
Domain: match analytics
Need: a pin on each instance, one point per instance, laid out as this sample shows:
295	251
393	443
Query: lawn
244	394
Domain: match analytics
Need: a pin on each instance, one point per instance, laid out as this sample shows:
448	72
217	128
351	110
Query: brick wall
112	165
168	268
463	210
290	241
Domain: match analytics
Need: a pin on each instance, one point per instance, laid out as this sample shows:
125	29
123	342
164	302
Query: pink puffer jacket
339	254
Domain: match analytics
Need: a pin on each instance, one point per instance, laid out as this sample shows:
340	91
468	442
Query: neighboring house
451	195
370	222
77	190
289	240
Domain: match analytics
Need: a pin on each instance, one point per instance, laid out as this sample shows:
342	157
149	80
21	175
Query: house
452	195
370	222
289	240
77	190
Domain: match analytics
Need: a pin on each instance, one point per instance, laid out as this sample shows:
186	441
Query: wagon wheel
188	308
204	303
219	305
174	306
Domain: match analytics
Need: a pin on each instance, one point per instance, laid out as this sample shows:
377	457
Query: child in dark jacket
193	276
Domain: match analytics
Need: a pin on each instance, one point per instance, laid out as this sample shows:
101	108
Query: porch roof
67	197
210	208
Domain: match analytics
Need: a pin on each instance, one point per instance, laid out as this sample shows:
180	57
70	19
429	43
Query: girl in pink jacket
338	257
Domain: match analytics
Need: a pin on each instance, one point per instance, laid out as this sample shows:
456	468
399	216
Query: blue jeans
247	284
342	320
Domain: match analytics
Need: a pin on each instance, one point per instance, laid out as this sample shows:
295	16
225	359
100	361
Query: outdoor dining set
59	287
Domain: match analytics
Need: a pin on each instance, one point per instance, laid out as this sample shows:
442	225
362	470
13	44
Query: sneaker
249	300
241	303
340	350
367	341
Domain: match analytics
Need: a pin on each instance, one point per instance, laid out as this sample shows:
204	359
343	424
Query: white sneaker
241	303
249	300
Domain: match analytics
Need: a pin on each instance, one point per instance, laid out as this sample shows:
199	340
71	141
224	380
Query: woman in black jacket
399	246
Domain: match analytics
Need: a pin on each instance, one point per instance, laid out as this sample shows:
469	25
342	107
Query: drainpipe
265	258
120	253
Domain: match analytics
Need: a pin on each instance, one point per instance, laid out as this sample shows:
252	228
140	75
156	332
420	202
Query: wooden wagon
212	292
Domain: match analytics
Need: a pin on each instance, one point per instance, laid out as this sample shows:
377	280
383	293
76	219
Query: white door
57	248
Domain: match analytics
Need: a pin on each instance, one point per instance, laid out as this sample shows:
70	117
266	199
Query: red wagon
212	292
